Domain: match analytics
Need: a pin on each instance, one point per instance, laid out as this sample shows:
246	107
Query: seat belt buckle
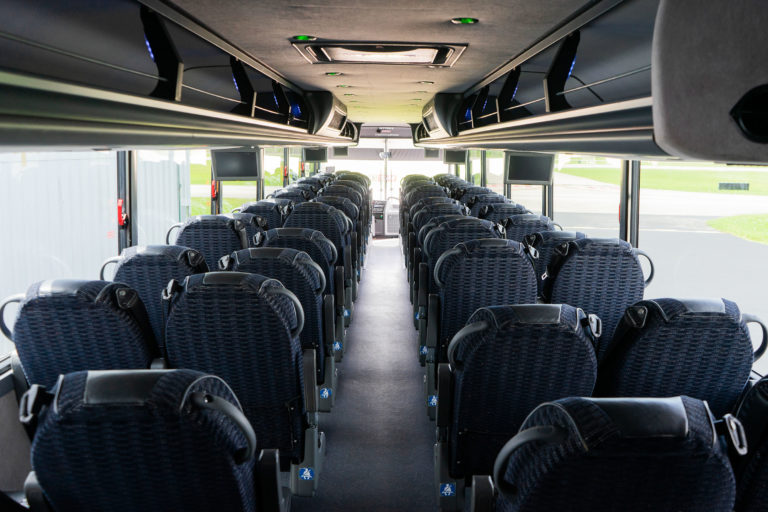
32	402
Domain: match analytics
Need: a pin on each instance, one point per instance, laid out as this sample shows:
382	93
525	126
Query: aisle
379	438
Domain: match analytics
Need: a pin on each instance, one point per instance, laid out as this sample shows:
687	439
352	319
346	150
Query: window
200	182
494	171
163	192
586	194
294	164
475	166
58	218
273	169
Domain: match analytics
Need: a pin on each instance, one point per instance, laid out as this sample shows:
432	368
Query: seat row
267	324
487	375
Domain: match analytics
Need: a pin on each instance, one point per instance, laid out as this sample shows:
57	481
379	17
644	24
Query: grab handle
4	328
747	319
113	259
168	234
638	252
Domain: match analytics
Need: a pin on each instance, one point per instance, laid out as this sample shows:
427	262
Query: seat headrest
646	417
121	386
63	287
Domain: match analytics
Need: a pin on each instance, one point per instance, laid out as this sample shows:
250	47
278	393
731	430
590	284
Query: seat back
633	455
507	360
599	275
478	273
213	235
478	201
313	242
285	203
667	347
498	212
309	187
545	243
423	191
145	440
520	226
296	195
467	193
244	328
752	470
433	223
430	201
254	225
451	232
65	326
324	218
271	212
345	191
148	269
341	203
427	212
301	275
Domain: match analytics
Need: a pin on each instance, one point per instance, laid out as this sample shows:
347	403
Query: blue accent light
484	104
149	48
571	70
296	110
275	96
468	114
235	81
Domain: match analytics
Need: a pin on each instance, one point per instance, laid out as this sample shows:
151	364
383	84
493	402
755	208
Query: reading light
303	37
343	86
334	73
464	21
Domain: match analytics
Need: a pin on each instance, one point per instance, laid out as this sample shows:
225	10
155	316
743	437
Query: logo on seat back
447	489
325	393
307	474
432	401
336	346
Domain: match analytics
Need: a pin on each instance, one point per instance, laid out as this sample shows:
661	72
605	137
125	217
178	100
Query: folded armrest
309	368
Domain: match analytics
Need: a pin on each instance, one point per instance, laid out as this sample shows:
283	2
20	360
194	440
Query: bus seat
506	361
667	347
497	212
518	226
545	243
213	235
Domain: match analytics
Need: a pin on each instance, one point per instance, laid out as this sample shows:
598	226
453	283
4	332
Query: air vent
410	54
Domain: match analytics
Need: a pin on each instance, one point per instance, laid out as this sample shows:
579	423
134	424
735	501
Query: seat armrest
270	493
309	368
444	395
34	494
483	497
348	269
423	284
433	323
329	323
338	284
353	250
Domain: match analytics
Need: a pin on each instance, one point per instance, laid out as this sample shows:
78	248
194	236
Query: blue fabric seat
273	213
599	275
254	224
301	275
479	201
148	269
473	274
67	325
632	455
498	212
295	195
504	363
519	226
752	470
213	235
546	243
150	440
668	347
467	192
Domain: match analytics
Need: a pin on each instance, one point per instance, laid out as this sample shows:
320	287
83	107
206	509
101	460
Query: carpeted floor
379	438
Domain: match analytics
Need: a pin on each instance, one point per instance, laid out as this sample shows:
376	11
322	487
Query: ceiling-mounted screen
315	155
528	168
454	156
431	153
340	152
236	165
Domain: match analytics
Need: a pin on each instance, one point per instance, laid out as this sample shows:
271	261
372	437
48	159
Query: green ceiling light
464	21
349	94
344	86
304	37
334	73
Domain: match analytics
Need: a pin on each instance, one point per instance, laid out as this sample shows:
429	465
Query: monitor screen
528	168
431	153
315	155
235	165
453	156
337	152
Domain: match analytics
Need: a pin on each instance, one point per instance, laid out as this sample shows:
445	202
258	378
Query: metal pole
468	168
384	185
624	200
124	218
286	166
634	220
483	168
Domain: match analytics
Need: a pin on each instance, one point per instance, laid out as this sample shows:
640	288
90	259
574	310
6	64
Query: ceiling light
343	86
303	37
464	21
349	94
426	82
358	52
334	73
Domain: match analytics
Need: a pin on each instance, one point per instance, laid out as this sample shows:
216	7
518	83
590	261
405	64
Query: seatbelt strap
31	405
